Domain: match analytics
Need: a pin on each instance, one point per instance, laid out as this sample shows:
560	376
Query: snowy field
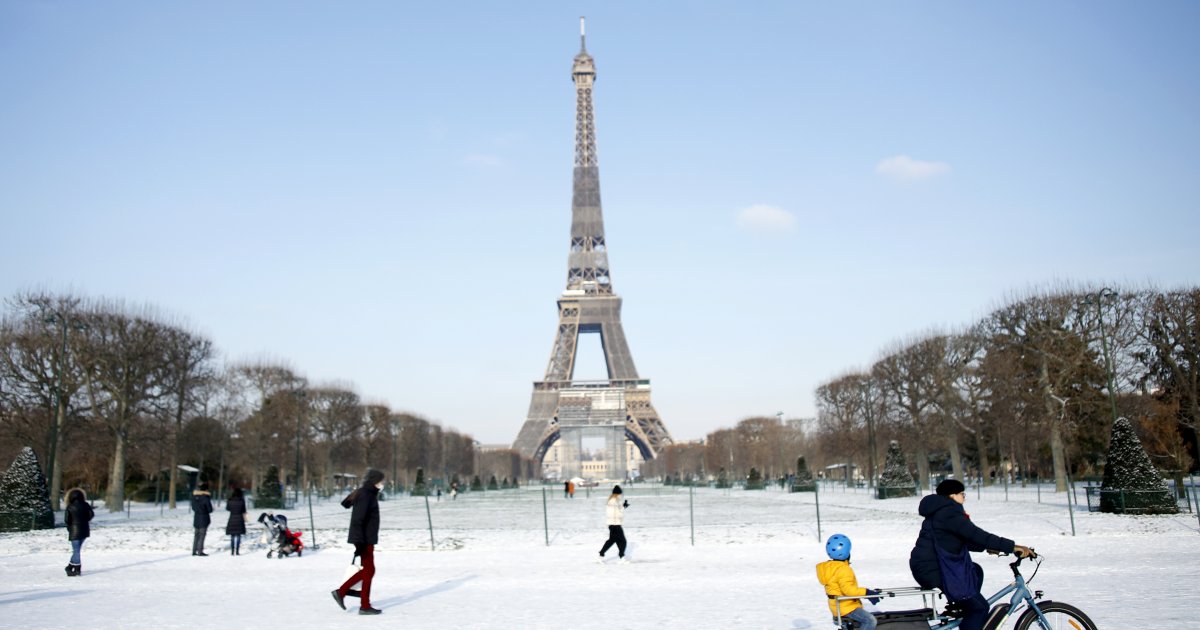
751	565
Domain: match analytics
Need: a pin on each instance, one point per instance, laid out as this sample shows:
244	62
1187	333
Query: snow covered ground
751	565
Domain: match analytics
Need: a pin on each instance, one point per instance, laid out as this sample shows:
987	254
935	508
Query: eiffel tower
618	408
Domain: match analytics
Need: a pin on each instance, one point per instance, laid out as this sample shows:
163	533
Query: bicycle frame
1021	595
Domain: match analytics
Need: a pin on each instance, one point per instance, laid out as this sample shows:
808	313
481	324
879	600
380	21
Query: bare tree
910	378
1172	355
188	364
39	365
124	360
1043	330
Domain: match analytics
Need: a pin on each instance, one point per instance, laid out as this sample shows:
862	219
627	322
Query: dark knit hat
616	489
949	487
373	477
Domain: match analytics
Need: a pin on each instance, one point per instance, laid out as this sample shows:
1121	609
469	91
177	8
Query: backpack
959	579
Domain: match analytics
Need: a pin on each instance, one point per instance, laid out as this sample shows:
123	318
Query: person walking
614	512
236	527
940	557
79	516
201	510
364	535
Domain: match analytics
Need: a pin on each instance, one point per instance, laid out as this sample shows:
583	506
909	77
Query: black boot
70	570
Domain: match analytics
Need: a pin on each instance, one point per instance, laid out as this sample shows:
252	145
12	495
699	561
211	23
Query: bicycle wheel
1061	617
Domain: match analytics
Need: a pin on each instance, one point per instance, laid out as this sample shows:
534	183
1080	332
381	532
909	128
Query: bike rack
929	598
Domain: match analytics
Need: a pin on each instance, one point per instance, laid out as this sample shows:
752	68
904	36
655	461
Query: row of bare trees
1034	386
109	396
765	443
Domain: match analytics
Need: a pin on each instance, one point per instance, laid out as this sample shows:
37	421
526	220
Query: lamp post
394	425
1098	299
301	395
60	405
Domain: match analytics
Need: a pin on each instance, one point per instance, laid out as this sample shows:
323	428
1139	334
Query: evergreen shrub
1132	485
895	480
24	496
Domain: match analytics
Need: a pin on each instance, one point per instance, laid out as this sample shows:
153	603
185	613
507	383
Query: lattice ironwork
588	304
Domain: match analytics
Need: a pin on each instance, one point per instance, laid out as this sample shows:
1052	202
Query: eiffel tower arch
617	409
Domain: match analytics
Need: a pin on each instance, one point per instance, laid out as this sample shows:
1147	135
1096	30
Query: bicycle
1046	615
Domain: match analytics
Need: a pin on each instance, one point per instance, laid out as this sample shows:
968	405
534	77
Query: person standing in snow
236	527
79	516
839	580
947	535
614	512
364	535
201	509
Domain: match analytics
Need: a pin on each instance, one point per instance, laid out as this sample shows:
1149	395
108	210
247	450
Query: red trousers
366	554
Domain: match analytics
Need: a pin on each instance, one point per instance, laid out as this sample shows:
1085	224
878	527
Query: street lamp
60	405
1097	298
300	395
395	426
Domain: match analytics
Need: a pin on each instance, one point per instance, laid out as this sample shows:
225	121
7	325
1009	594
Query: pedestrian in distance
201	517
79	517
941	559
236	527
364	535
839	580
566	489
614	512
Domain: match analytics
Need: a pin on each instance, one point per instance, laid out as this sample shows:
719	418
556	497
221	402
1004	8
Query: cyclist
940	557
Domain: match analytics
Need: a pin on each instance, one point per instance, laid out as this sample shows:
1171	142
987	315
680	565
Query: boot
70	570
78	570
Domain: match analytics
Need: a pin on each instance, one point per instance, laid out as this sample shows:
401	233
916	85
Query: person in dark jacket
236	526
949	527
79	516
201	509
364	535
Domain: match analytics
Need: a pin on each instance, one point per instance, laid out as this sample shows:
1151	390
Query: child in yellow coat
838	579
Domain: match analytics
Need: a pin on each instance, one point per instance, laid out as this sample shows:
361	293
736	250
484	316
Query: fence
1122	501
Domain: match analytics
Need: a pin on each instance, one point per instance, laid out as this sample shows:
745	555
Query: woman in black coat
948	526
364	535
236	526
78	517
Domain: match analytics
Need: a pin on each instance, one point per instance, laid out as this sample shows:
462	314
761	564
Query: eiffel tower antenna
618	408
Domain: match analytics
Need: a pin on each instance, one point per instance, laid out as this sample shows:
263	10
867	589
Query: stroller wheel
270	552
299	553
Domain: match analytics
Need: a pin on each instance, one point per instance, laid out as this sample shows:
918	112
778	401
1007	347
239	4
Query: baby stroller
284	541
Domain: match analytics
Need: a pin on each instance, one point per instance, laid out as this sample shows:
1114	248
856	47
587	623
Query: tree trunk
56	457
955	458
115	499
922	468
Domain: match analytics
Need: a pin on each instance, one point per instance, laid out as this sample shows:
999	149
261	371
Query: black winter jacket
201	508
237	516
946	521
79	516
364	518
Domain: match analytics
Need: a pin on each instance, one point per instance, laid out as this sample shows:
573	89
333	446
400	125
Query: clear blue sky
380	192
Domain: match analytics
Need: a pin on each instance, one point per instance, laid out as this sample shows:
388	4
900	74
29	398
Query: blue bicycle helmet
838	547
